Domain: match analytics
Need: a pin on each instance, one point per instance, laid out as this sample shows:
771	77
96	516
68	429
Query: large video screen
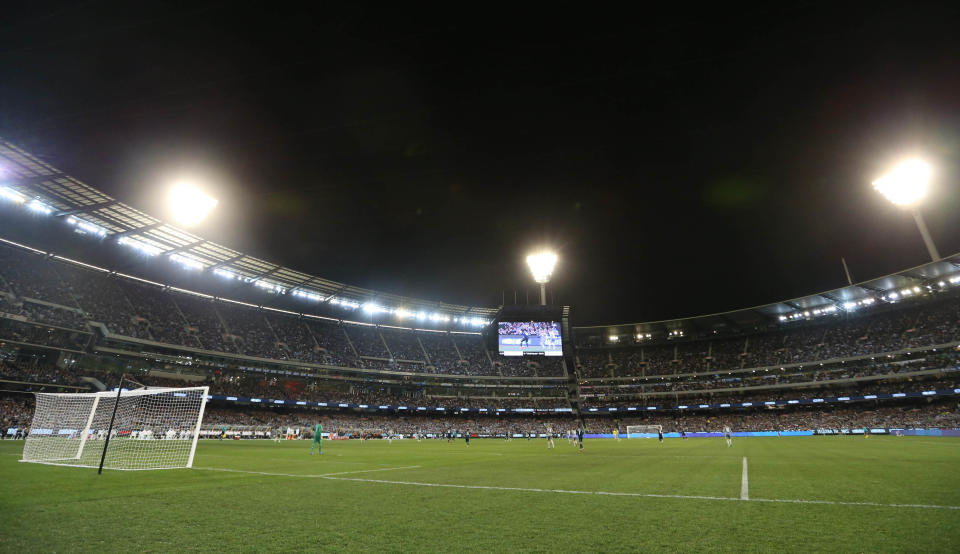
533	338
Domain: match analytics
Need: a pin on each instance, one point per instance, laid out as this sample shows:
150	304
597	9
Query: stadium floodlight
189	204
906	186
186	262
541	266
144	248
39	207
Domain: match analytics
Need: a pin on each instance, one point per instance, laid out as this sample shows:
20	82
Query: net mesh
643	431
153	428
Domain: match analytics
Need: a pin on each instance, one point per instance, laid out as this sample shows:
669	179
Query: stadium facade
91	288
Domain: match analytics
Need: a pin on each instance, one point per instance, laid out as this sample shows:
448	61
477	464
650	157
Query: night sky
681	163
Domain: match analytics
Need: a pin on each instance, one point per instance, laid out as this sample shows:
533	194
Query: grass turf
48	508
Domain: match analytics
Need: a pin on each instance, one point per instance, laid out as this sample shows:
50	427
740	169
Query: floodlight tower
541	265
906	186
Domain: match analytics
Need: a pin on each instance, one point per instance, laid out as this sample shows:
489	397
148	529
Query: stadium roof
25	178
930	278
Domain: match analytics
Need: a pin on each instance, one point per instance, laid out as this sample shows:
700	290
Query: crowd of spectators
942	381
37	373
53	293
441	352
11	330
945	361
850	336
403	344
15	412
933	415
367	341
514	366
60	316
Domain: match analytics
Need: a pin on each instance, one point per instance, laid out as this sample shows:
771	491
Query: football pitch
761	494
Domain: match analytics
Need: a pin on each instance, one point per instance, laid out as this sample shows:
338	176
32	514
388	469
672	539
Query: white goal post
643	431
154	428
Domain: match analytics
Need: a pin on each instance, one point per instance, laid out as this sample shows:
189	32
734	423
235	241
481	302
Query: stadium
163	391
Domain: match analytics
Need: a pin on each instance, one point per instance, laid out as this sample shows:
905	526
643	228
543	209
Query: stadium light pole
541	266
906	186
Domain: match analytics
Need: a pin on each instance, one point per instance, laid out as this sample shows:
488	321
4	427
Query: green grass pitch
878	494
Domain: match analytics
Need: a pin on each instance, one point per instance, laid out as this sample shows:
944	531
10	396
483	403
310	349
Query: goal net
643	431
153	428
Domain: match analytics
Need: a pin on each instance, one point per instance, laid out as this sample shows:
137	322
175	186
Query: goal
154	428
643	431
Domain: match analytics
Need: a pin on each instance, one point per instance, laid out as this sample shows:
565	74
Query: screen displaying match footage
521	338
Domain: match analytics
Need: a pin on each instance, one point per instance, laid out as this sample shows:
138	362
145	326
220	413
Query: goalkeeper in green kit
317	440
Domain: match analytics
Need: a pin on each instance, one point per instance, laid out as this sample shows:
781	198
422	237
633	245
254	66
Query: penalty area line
641	495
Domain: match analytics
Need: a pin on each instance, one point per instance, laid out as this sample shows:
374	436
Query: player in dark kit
580	438
525	340
660	434
466	437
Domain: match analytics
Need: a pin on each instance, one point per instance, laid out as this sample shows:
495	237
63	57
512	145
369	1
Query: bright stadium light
12	195
541	266
39	207
906	186
189	204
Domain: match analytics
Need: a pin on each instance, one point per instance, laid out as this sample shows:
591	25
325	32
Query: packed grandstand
883	354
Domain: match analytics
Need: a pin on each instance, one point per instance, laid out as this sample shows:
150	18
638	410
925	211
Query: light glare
907	184
541	265
189	204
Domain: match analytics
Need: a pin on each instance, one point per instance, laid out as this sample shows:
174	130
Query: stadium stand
246	350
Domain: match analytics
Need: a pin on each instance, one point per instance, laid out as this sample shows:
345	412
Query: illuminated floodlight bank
144	248
12	195
349	304
308	295
224	273
907	184
372	308
542	265
86	227
186	262
189	205
268	286
39	207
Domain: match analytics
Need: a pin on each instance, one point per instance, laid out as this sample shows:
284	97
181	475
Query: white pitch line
368	470
744	483
644	495
314	476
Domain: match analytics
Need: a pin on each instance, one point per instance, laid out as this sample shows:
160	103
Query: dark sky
681	163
